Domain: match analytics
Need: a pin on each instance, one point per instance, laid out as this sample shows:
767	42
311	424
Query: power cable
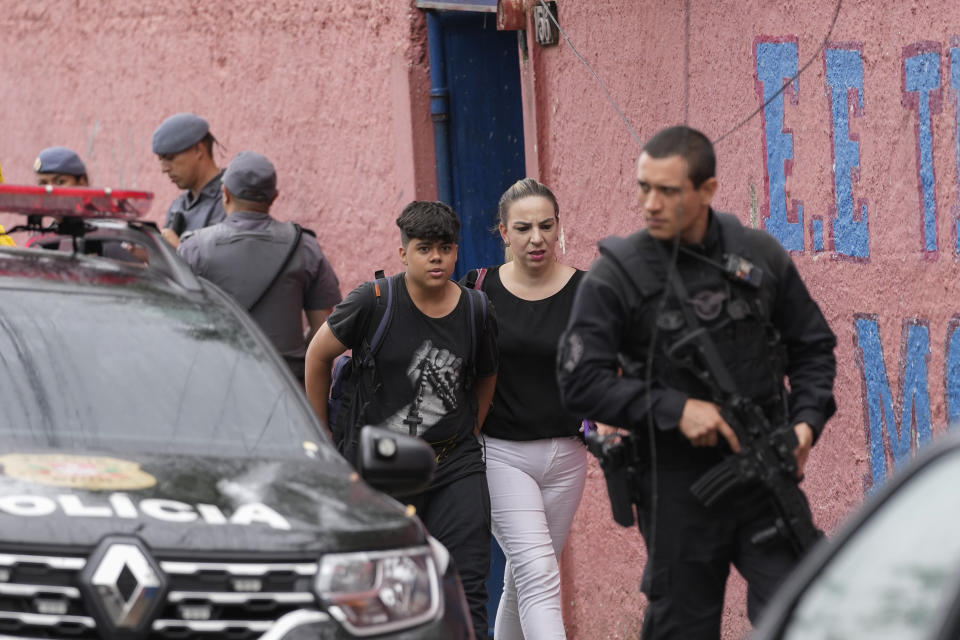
610	99
823	45
686	64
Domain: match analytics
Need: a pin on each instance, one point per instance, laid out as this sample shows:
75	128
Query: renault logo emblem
124	587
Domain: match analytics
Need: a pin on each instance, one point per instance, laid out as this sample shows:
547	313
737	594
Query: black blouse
526	404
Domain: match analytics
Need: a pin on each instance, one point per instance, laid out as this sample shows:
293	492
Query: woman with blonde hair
536	461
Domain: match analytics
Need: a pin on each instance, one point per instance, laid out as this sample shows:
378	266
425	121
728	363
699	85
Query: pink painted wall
336	93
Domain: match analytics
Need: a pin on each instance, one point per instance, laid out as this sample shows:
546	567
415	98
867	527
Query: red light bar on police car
81	202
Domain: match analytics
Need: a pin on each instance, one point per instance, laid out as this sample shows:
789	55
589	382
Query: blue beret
178	132
250	176
59	160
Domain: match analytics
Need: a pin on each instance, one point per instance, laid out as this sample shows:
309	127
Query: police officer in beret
672	329
60	167
184	145
274	269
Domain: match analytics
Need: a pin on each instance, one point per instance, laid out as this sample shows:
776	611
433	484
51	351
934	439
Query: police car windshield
86	368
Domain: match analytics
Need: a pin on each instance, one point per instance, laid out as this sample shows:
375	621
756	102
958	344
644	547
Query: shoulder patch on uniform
571	351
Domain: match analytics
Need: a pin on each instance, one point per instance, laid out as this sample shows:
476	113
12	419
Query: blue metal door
475	79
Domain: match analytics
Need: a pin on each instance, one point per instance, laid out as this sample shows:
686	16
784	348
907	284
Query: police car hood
185	505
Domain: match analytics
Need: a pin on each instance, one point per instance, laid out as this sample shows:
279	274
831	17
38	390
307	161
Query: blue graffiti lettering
952	373
777	62
914	423
845	72
955	83
922	74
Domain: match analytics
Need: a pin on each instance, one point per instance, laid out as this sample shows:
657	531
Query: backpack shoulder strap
478	315
625	253
385	291
474	278
481	274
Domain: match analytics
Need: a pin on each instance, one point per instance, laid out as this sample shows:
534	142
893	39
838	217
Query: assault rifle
765	457
766	453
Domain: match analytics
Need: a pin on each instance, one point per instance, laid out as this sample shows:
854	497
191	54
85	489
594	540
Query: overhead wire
596	77
823	45
686	64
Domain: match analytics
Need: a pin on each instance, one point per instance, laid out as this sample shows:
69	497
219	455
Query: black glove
178	222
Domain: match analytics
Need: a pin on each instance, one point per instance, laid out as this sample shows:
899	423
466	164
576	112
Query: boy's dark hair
695	148
432	221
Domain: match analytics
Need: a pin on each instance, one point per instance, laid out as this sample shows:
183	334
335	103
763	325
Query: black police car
164	477
892	571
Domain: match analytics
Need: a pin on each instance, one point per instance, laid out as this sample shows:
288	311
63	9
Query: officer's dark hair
208	142
249	205
695	148
431	221
524	189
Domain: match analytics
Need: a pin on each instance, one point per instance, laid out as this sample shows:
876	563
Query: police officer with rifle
698	336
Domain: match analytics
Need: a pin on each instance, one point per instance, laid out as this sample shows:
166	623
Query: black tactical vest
736	315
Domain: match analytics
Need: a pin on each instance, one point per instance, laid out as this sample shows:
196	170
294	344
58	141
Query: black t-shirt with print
424	366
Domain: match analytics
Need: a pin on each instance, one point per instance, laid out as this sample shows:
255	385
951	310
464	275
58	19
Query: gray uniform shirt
204	210
243	253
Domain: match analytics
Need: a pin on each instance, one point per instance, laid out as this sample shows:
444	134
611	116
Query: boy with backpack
431	373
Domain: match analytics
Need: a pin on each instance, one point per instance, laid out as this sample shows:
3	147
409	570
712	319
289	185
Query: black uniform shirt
603	324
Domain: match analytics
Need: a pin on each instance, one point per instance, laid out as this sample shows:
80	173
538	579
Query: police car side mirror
394	463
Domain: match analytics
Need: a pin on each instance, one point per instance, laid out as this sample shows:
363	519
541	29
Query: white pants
535	489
